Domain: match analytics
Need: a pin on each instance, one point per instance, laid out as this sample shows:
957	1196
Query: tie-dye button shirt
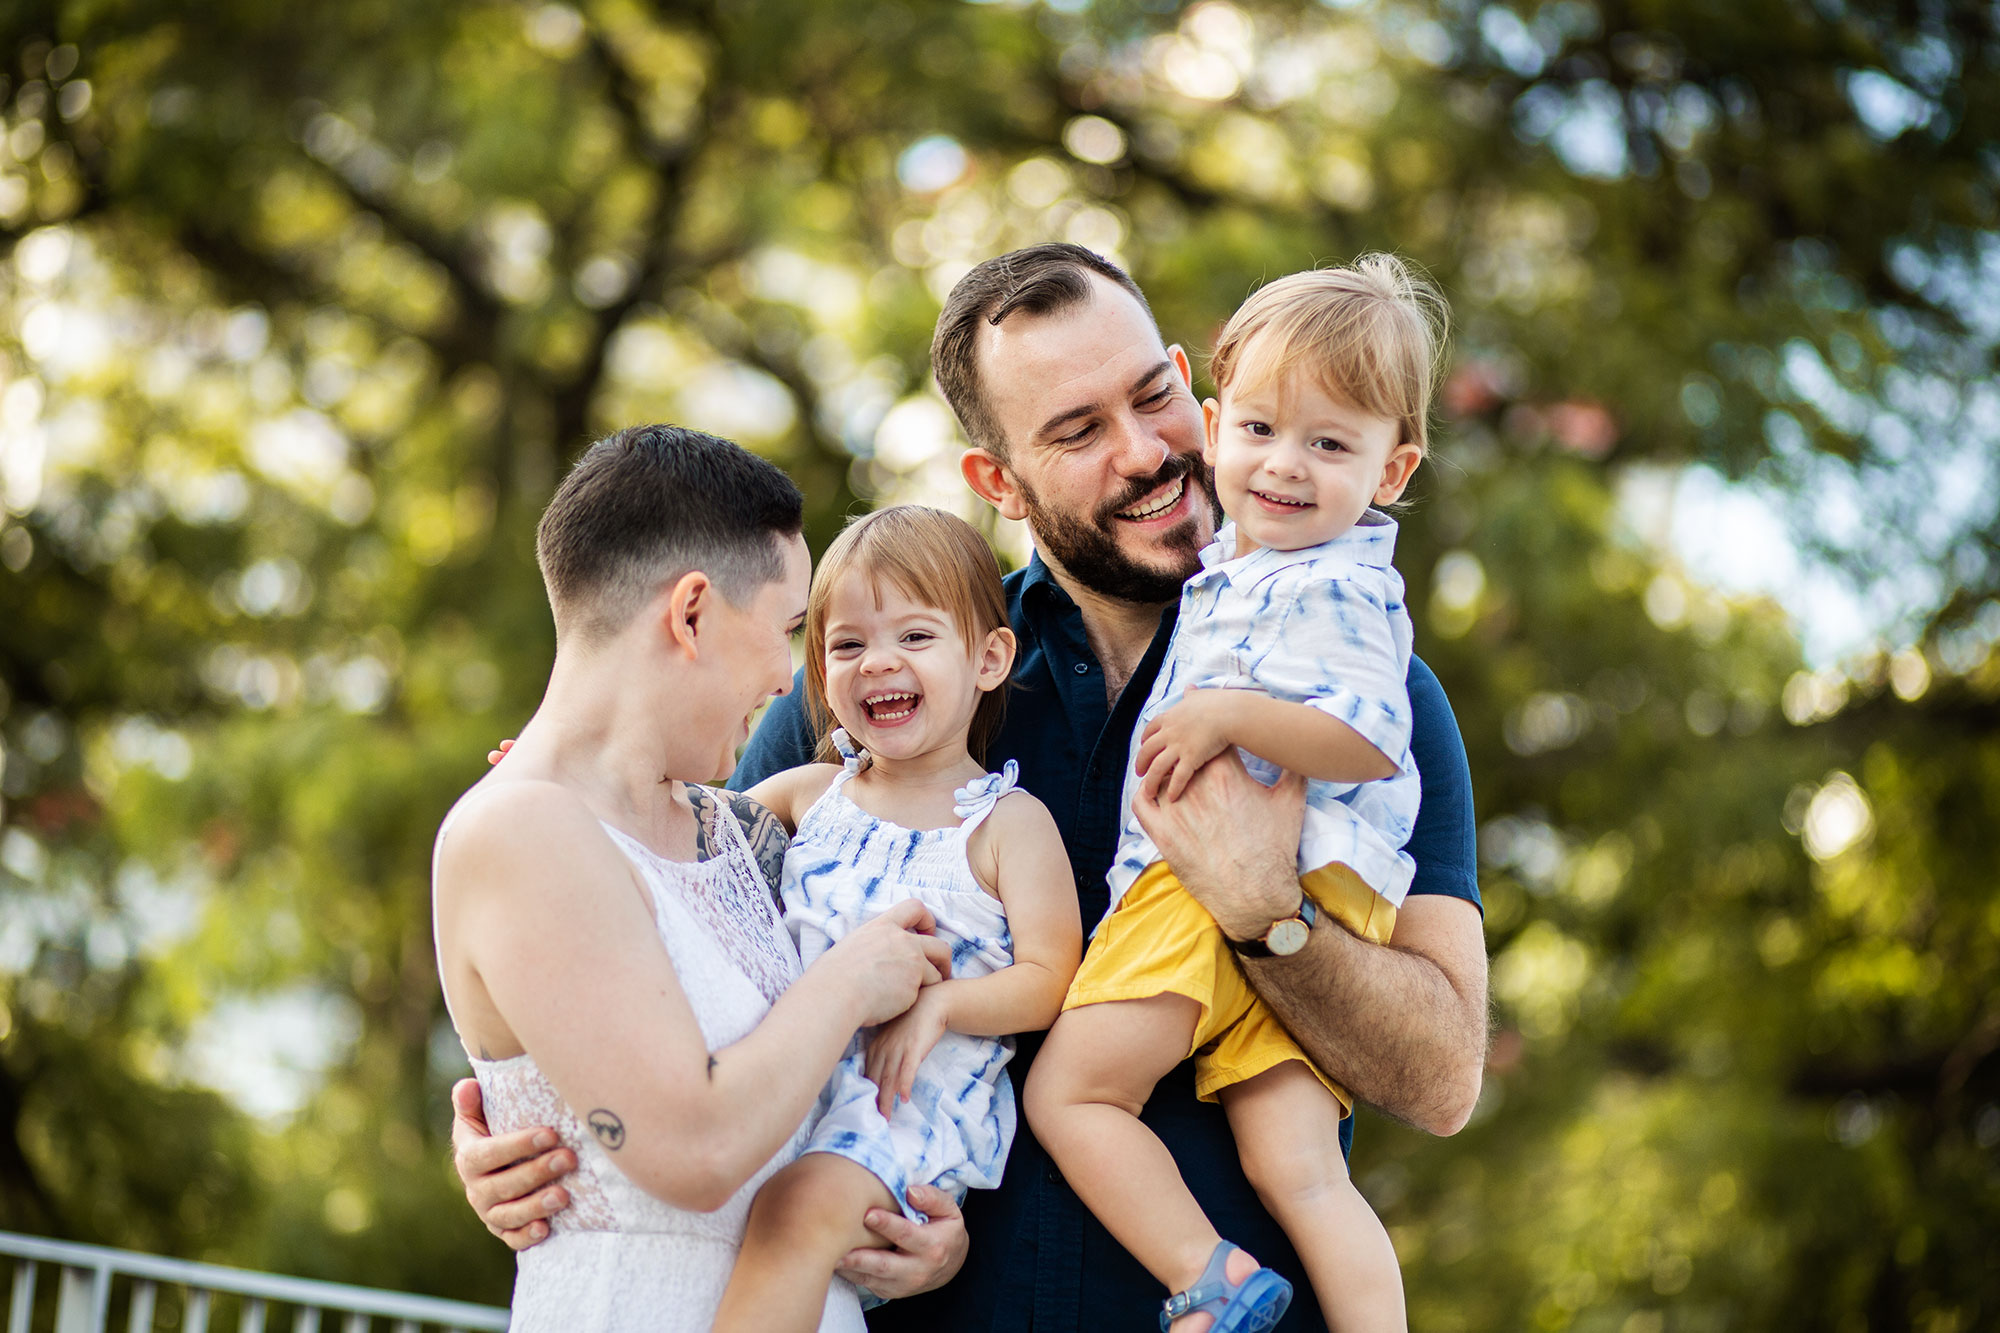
1323	626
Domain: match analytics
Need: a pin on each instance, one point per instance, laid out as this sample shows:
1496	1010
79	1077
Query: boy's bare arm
1296	737
1401	1025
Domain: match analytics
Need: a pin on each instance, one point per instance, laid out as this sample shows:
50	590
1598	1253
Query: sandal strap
1212	1286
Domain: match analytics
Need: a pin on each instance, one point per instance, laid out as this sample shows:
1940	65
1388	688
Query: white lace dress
619	1258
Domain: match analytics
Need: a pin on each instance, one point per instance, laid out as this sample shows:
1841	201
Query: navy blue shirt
1038	1259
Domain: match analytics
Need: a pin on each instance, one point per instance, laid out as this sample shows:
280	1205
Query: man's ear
991	481
1179	357
1211	424
682	608
1396	473
996	659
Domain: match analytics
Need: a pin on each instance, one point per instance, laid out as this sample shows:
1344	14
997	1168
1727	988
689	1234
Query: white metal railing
85	1276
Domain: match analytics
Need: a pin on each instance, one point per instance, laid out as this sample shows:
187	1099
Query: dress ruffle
852	757
982	792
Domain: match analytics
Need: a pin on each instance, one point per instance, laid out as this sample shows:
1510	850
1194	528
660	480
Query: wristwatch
1285	937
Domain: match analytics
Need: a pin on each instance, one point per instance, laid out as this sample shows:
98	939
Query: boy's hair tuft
1373	333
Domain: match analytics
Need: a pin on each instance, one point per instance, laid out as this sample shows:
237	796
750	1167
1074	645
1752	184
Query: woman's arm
1019	853
534	895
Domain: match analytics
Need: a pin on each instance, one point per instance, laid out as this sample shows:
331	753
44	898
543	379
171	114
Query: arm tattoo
768	839
608	1128
712	1063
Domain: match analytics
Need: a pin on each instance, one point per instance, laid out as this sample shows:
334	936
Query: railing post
253	1317
355	1323
22	1307
305	1319
84	1294
140	1318
197	1311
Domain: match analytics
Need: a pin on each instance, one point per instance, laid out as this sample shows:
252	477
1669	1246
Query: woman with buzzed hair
609	948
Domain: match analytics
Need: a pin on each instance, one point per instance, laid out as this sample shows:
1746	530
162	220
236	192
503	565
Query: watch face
1287	937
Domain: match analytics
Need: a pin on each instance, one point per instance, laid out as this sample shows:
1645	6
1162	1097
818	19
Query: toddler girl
1292	644
907	648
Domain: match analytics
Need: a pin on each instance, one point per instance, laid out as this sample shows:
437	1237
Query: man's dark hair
650	504
1040	280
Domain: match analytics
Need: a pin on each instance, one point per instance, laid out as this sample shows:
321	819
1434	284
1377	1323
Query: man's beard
1088	548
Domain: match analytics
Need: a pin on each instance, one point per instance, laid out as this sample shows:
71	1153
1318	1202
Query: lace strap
976	799
739	851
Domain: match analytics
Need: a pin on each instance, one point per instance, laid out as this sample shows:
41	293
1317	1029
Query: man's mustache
1176	467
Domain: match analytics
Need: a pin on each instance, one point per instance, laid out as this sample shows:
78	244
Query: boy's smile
1296	465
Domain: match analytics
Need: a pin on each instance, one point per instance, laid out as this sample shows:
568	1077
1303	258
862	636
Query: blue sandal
1251	1306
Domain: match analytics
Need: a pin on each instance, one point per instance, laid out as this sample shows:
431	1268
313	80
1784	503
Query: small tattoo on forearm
610	1130
712	1063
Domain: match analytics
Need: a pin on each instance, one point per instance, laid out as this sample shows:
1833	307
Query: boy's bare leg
802	1222
1287	1128
1090	1081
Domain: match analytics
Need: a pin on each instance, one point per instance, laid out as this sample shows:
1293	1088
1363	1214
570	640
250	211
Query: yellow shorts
1160	941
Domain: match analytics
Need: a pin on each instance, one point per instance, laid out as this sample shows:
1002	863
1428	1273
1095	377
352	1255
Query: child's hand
1179	741
901	1044
495	756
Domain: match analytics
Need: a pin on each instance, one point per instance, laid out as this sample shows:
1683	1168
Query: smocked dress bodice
844	868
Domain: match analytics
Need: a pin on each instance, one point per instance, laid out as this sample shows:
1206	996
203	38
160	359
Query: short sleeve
783	739
1445	842
1338	650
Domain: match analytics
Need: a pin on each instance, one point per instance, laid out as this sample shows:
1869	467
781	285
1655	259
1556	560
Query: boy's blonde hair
1372	333
933	557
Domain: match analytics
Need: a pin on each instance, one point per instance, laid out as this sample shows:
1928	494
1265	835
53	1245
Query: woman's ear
996	659
682	611
992	482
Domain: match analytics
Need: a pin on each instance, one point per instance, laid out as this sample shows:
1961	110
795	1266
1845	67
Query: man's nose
1140	452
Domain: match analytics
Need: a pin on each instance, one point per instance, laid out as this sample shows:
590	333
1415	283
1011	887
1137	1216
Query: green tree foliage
303	308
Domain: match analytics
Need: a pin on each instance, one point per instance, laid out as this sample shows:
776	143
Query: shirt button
1083	668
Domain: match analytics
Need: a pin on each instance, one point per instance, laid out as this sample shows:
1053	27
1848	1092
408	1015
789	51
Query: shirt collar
1371	541
1039	580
